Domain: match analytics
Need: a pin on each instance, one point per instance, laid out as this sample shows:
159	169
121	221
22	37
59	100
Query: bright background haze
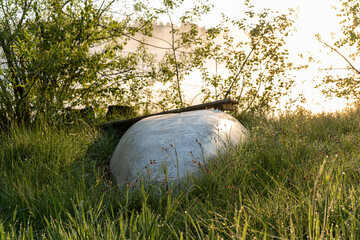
313	17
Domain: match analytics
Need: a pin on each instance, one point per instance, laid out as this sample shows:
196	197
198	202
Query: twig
337	51
241	68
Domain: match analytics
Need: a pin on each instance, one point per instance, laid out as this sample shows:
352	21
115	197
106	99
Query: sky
313	17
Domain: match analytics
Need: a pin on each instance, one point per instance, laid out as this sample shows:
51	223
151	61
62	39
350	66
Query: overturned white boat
166	148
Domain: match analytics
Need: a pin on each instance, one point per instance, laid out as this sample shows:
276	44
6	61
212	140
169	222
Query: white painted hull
168	147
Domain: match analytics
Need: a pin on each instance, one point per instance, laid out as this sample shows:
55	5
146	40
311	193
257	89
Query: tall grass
297	177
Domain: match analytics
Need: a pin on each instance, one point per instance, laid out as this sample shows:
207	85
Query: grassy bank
297	177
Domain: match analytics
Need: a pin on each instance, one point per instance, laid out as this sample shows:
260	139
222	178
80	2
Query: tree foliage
64	53
348	85
256	63
75	53
185	50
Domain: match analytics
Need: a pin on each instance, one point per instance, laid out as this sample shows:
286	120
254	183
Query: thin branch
241	68
101	10
32	84
86	91
174	55
335	68
25	9
258	90
337	51
145	43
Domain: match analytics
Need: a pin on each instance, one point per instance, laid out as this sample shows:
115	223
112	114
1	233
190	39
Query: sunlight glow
313	17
